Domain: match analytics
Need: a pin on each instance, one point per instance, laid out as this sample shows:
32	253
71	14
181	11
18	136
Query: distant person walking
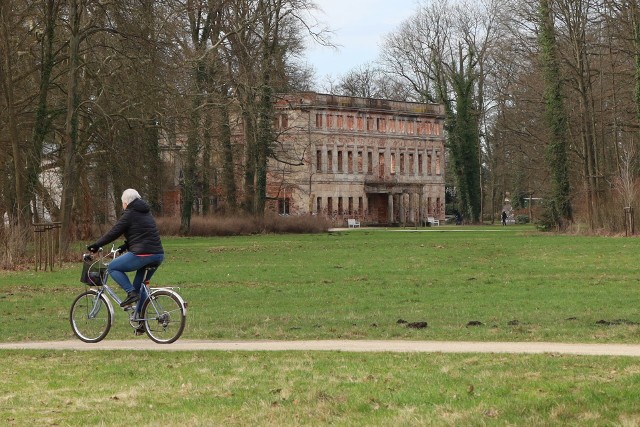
504	218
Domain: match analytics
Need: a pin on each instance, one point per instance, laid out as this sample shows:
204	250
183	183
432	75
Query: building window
420	163
360	206
360	121
318	205
411	167
318	160
392	167
429	211
318	120
284	121
330	206
381	165
350	122
283	206
329	161
350	206
429	160
340	207
369	162
359	161
370	123
437	163
329	121
340	121
339	160
401	163
350	161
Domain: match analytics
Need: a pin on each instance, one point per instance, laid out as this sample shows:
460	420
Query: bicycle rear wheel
163	316
90	316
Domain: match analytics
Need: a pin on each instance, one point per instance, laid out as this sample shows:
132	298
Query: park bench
431	220
353	223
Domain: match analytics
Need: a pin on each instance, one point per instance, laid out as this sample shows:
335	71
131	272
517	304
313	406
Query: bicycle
162	316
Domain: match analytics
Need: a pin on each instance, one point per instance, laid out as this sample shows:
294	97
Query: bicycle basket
94	273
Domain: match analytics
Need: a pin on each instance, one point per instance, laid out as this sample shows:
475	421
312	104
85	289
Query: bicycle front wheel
90	316
163	316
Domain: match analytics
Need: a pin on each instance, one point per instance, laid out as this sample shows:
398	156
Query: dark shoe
131	298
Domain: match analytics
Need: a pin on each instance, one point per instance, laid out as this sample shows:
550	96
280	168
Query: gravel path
341	345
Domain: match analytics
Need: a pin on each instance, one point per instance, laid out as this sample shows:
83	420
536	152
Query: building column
420	208
390	209
402	213
412	207
325	159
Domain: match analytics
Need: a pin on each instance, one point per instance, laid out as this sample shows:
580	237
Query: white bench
353	223
431	220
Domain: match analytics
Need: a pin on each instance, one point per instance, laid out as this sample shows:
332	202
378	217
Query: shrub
244	225
13	247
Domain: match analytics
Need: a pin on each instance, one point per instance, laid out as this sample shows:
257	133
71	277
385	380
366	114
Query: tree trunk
264	141
207	137
190	168
42	125
69	178
250	160
22	211
228	165
556	118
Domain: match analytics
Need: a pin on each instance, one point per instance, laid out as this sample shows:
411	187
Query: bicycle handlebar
89	256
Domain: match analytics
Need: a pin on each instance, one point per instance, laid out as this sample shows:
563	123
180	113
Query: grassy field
487	284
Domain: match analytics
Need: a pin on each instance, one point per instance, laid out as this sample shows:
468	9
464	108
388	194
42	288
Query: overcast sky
359	27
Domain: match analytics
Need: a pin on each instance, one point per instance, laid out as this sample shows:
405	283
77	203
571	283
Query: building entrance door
378	207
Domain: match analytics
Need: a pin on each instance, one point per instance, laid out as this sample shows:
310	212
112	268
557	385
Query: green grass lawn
520	285
315	388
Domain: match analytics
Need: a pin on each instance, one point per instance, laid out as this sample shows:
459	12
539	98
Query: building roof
302	100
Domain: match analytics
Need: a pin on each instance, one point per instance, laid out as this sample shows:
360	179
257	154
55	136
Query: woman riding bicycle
142	241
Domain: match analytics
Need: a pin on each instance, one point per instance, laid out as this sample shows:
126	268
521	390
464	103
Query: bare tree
443	53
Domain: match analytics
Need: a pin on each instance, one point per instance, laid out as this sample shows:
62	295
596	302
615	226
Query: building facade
376	160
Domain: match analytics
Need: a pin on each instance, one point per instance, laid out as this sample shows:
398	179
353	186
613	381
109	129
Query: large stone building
344	157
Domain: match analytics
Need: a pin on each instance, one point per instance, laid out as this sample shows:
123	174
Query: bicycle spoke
164	317
90	317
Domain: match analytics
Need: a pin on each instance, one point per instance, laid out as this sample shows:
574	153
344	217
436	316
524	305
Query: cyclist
142	241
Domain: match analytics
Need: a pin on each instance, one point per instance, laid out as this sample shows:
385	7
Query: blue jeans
131	262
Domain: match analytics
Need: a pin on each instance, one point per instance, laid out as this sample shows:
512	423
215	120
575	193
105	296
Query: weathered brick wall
377	160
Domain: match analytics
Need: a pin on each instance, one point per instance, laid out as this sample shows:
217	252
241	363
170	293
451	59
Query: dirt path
342	345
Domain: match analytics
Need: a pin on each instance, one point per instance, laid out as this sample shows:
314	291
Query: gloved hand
93	248
124	247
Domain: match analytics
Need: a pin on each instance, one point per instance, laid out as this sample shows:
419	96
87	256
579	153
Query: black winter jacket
139	229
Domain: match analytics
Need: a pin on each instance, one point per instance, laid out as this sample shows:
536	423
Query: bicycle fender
110	307
174	293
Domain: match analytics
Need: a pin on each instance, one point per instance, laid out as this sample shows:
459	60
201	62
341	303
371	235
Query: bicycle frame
105	288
